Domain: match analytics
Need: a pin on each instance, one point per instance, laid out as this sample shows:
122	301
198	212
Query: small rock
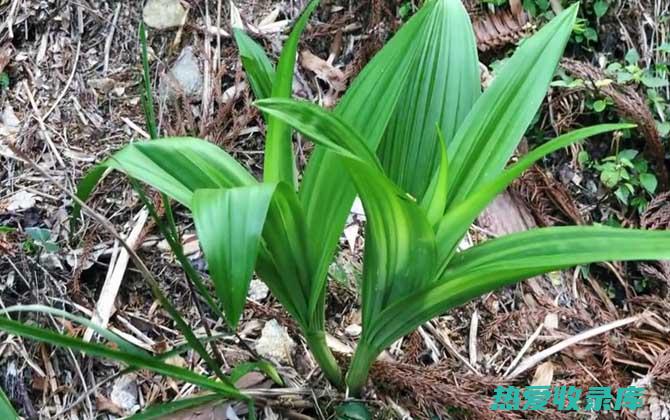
275	343
353	330
103	85
10	123
163	14
22	200
124	393
258	290
184	77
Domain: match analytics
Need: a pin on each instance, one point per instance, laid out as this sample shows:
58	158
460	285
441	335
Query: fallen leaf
105	404
543	375
324	70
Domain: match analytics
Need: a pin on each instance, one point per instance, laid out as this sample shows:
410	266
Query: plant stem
316	340
357	376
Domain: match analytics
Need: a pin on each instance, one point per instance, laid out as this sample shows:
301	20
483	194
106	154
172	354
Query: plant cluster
424	149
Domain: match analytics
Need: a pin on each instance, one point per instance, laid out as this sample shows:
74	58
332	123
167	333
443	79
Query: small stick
110	37
117	270
538	357
525	348
43	128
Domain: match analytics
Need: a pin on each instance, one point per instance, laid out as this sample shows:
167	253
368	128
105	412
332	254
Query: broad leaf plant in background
424	149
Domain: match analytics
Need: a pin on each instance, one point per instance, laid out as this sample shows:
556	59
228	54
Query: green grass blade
229	223
507	260
444	88
92	349
257	66
279	160
103	332
6	409
147	97
492	130
161	411
457	220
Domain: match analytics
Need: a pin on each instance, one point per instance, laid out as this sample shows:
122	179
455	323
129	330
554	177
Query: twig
43	128
117	270
538	357
68	83
110	37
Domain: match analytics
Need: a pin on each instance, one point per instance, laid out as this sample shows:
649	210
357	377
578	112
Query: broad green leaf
400	244
492	130
161	411
285	261
457	220
6	409
175	166
367	107
320	126
257	66
435	198
653	81
443	89
279	161
507	260
229	223
649	182
144	362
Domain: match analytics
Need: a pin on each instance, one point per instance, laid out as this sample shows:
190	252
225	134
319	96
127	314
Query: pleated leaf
367	107
175	166
455	223
400	244
507	260
229	223
435	198
279	160
443	89
492	130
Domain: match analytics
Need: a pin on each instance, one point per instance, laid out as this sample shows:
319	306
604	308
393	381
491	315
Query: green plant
424	149
627	175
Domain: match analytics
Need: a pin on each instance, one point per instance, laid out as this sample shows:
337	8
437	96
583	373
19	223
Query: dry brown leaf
324	71
105	404
543	375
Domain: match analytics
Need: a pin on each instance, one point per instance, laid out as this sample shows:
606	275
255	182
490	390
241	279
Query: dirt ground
74	96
